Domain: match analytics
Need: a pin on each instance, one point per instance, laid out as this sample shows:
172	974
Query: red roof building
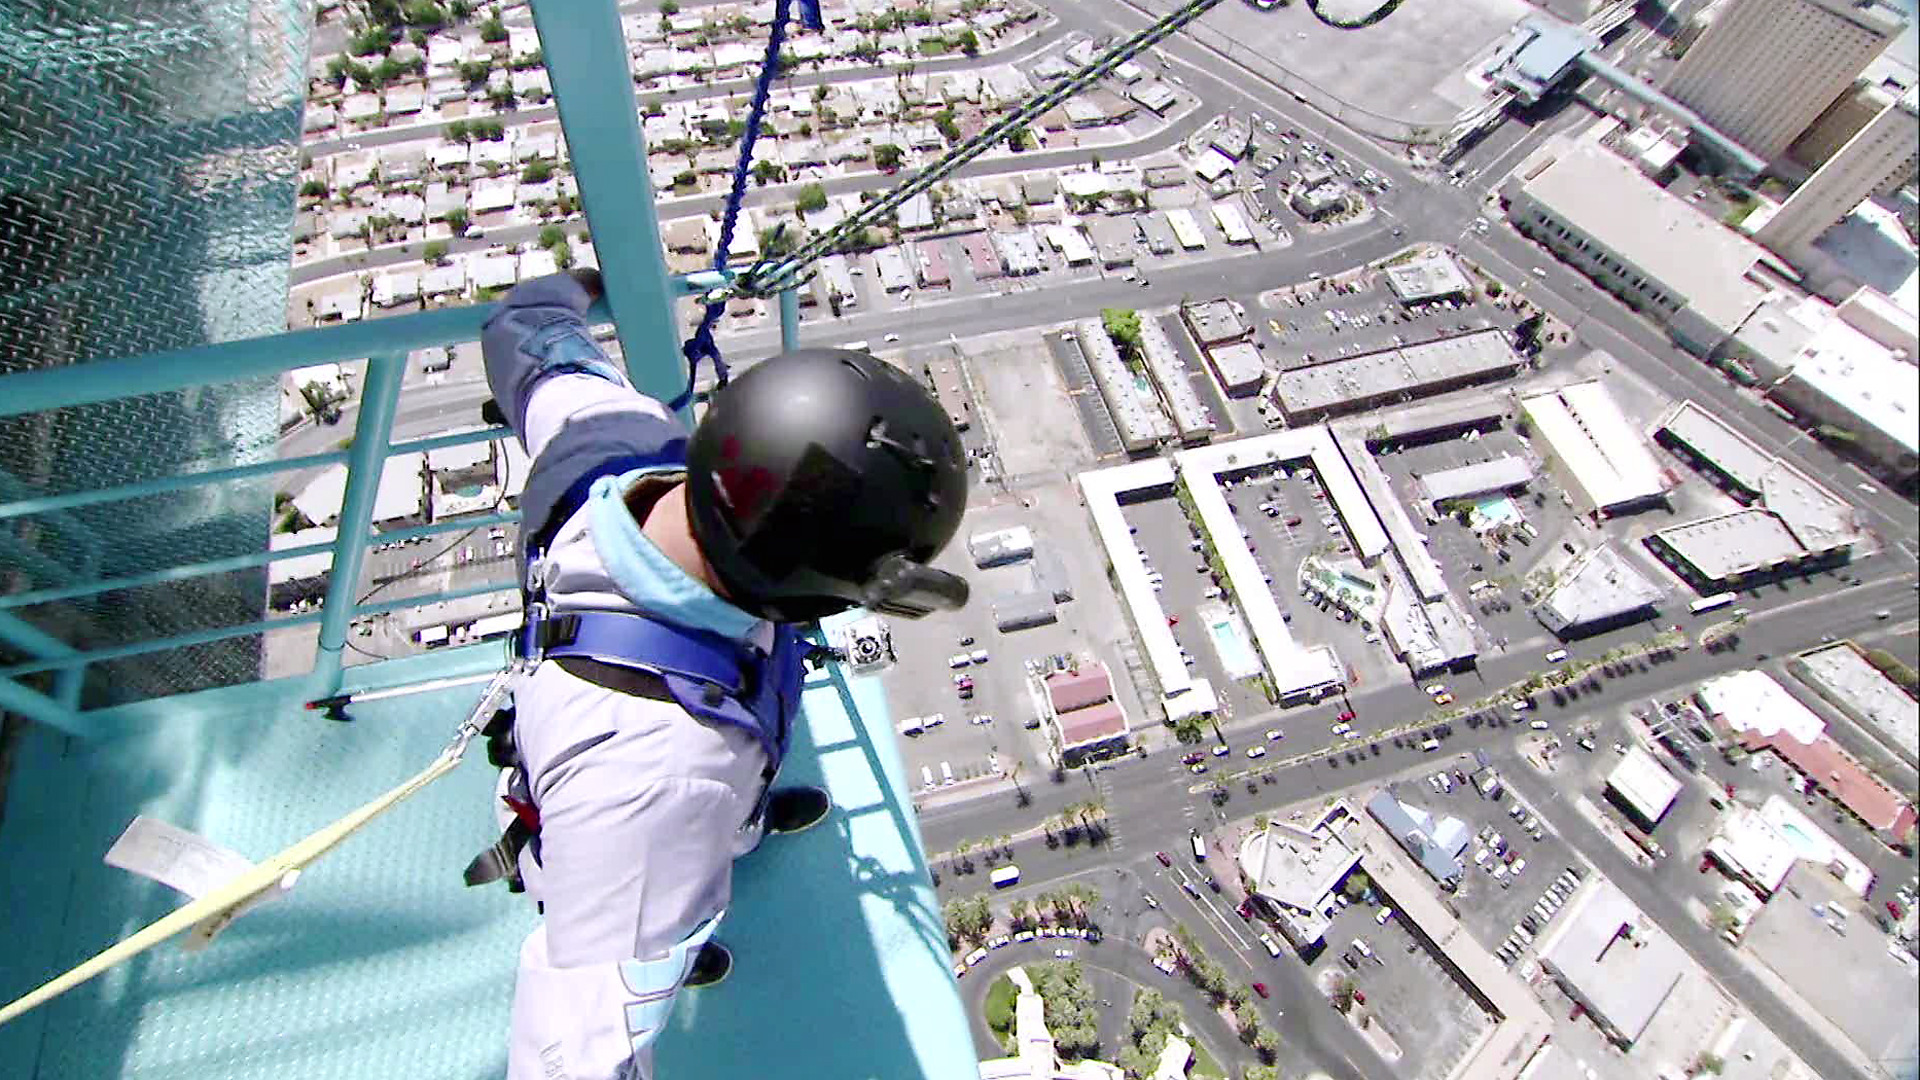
1834	771
1095	723
1070	690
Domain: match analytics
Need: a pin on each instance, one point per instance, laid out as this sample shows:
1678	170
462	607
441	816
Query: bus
1717	600
1199	848
1005	876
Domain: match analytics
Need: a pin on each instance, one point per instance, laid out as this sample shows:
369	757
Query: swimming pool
1236	653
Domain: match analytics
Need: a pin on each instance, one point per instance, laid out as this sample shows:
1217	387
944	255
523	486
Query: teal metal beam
401	603
38	706
456	438
379	402
29	638
586	53
789	319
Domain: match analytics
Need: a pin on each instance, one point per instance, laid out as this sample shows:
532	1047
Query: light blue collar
650	579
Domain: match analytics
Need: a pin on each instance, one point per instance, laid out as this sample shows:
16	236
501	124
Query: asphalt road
1151	800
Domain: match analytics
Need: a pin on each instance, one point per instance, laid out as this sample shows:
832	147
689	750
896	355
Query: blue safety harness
715	679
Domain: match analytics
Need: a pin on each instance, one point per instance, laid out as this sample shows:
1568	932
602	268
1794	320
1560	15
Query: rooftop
1496	474
1615	958
1738	542
1436	847
1644	784
1070	690
1608	457
1607	199
1863	377
1213	320
1602	586
1409	369
1864	690
1095	723
1748	844
1424	279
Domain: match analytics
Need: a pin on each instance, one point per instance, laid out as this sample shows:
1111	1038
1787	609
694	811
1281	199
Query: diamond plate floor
381	964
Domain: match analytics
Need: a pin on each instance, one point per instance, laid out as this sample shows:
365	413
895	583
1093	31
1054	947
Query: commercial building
1214	322
1114	237
1299	672
1839	673
1433	843
1102	491
1232	224
1083	719
1001	546
950	389
401	500
1019	253
1192	420
1317	201
1296	867
1538	53
1402	373
1597	212
1239	367
1609	956
1600	592
1747	847
1608	460
1157	233
1136	412
1186	230
1843	119
299	577
1760	714
1640	785
1435	277
1880	155
1765	69
1796	522
891	268
1507	472
1023	610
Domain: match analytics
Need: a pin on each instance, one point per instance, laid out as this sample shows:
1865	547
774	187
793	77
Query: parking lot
1512	858
1314	322
1426	1013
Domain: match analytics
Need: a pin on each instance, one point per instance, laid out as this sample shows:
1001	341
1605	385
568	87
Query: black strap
502	859
636	682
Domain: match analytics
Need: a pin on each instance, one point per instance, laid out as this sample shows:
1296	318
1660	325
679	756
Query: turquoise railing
861	887
587	62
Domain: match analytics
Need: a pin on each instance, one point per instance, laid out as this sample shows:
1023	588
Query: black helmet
823	479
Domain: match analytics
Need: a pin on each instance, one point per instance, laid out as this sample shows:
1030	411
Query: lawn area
999	1007
1204	1067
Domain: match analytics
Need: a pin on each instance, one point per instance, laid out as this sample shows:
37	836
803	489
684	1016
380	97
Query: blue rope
701	345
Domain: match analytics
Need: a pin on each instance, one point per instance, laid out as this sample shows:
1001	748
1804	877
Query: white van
1213	592
959	660
912	725
978	656
926	777
946	773
1557	656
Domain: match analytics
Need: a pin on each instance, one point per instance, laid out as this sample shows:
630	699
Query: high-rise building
1881	156
1765	69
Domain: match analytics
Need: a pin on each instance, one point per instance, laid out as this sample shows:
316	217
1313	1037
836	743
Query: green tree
457	221
812	199
768	172
1260	1072
424	13
537	172
888	157
313	189
685	178
369	41
551	235
949	128
502	98
435	251
475	72
459	132
1356	885
563	255
967	42
776	241
1708	1063
669	7
493	30
1123	326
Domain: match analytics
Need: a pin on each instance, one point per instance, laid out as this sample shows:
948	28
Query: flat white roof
1617	958
1753	701
301	566
1298	865
1102	488
403	489
1607	199
1737	542
1644	784
1503	472
1863	377
1607	455
1749	844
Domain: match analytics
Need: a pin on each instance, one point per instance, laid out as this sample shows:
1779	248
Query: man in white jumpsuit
666	573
